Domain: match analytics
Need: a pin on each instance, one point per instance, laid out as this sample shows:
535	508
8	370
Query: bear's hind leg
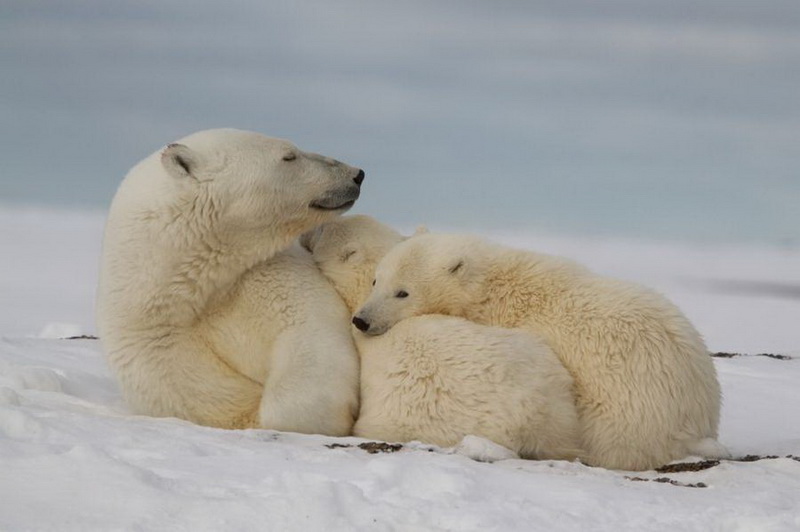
182	377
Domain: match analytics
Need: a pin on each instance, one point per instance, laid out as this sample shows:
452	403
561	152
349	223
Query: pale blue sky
657	119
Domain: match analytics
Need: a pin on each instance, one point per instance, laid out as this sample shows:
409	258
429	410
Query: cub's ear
421	230
456	266
351	253
310	238
180	161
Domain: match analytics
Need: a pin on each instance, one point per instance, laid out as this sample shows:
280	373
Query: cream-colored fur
204	311
439	378
646	388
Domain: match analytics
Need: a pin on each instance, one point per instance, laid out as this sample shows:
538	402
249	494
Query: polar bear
441	378
646	387
205	311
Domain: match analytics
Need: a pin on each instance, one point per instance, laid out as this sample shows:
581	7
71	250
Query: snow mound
60	330
483	450
75	459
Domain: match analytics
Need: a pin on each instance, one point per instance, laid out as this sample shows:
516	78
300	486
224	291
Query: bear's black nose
359	178
360	324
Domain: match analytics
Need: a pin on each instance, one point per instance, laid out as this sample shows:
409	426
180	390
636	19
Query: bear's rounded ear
310	238
421	230
351	253
456	266
180	161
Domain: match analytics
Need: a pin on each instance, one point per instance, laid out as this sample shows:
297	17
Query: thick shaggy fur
439	378
204	312
646	388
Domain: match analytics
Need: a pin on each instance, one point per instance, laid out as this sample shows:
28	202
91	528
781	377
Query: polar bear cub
646	387
439	378
203	311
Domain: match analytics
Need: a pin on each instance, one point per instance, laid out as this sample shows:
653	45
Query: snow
73	458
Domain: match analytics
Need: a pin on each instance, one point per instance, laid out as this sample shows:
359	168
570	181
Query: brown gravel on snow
768	355
372	447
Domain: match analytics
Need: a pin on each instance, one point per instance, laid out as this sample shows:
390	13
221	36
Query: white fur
646	388
437	378
204	312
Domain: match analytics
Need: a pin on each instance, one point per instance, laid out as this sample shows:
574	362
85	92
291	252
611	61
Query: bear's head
426	274
347	250
242	185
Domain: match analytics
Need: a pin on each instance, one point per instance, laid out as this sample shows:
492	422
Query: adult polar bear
645	386
203	312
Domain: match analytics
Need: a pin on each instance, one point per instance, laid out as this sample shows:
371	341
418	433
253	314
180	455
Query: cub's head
426	274
347	250
242	182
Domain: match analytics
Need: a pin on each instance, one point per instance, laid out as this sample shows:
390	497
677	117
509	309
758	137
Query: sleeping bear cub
645	385
440	378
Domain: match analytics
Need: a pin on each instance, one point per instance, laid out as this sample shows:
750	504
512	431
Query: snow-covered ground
73	458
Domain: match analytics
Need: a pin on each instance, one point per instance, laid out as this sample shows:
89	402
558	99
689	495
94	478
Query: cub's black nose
359	178
360	324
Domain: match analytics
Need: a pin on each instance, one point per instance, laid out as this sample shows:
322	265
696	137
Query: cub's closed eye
373	282
290	157
401	293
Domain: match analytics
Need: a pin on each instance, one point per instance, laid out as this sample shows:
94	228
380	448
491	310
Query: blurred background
671	120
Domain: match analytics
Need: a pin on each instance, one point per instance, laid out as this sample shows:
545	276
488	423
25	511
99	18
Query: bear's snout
359	178
361	325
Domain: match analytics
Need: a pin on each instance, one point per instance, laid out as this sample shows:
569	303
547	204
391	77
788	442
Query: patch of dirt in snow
671	482
683	467
372	447
693	467
768	355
